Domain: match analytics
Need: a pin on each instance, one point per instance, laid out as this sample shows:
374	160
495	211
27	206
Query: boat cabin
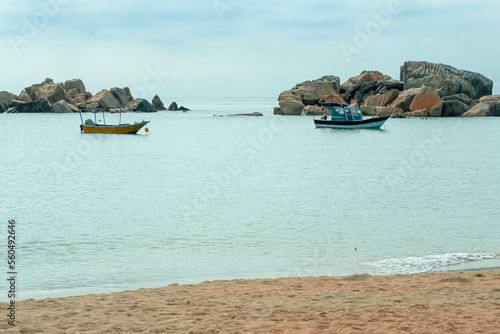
342	112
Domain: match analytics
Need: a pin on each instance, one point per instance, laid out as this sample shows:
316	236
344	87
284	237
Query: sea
206	196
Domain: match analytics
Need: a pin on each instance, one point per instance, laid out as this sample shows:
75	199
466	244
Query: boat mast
81	117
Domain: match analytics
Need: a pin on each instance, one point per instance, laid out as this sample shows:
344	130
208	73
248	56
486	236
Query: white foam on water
420	264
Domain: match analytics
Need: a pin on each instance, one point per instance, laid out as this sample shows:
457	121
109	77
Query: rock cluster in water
72	96
424	90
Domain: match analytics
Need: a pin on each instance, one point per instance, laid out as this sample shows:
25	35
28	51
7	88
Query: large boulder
39	106
5	97
25	97
121	95
315	110
310	92
158	103
333	98
454	108
80	101
48	90
439	76
462	98
5	100
364	77
381	111
173	106
290	104
362	90
428	99
404	99
487	106
129	94
140	105
62	107
105	99
381	99
75	84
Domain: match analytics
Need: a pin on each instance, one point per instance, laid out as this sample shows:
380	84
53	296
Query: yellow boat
90	126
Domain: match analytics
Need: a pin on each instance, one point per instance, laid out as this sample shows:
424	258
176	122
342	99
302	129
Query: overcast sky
205	48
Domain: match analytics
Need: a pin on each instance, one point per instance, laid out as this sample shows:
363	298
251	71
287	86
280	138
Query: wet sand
459	302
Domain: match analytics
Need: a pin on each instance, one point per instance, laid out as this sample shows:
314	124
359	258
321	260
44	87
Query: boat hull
114	129
370	123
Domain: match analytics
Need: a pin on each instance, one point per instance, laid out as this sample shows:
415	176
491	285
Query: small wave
419	264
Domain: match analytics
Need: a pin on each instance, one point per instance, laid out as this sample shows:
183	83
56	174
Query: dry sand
465	302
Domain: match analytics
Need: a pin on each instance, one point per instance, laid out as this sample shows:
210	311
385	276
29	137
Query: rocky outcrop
158	103
105	99
451	80
140	105
428	99
487	106
48	96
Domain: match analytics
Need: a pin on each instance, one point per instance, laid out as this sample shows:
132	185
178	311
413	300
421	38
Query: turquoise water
203	198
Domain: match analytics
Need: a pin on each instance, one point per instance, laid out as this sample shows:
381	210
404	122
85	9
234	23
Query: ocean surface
204	198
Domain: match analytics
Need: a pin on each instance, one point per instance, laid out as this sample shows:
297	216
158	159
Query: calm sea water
204	198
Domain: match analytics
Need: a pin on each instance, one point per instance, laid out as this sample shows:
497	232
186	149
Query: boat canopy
341	112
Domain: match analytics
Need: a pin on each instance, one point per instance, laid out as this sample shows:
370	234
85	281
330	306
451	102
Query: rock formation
315	110
487	106
140	105
38	106
439	76
121	96
424	89
70	96
428	99
105	99
157	103
307	93
173	106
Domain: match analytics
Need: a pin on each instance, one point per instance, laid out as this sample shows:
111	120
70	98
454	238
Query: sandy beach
460	302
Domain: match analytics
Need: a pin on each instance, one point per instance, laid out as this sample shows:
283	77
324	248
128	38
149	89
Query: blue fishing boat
348	117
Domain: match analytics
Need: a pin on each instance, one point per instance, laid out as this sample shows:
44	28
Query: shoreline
465	301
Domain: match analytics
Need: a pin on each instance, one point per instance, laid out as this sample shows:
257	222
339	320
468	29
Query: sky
237	48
